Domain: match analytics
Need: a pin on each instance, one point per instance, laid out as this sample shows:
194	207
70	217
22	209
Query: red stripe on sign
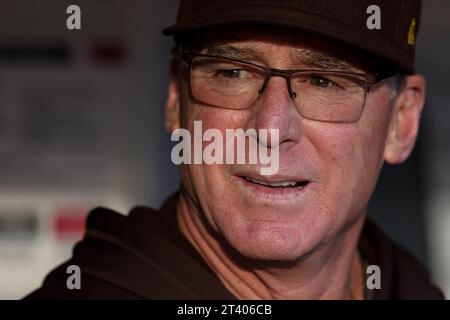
107	52
70	221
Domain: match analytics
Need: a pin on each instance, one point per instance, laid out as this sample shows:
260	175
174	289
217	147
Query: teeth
276	184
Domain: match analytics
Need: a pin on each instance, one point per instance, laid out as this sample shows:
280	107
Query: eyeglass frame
269	72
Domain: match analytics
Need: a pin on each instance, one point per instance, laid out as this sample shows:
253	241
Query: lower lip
262	192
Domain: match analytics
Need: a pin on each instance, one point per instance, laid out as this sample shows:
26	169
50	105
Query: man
341	94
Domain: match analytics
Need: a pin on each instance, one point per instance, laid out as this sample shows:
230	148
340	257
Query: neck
332	271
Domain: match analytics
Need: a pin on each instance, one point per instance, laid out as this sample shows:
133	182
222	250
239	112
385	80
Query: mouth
287	184
274	190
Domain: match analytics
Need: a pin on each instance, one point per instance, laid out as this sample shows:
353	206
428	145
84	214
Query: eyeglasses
321	95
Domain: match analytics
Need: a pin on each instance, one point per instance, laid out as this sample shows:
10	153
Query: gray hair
397	84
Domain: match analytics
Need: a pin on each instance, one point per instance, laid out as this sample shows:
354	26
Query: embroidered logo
412	32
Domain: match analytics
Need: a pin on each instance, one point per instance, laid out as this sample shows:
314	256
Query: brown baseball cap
385	28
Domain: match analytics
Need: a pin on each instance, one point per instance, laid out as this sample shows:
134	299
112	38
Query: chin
271	242
269	252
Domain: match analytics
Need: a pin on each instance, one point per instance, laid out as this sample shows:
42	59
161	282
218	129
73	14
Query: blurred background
81	125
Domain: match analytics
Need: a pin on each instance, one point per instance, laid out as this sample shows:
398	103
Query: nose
276	110
287	78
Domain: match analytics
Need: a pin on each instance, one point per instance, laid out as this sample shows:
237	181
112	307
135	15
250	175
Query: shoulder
55	287
119	257
139	256
104	258
403	276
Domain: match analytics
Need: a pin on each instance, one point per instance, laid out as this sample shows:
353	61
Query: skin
265	244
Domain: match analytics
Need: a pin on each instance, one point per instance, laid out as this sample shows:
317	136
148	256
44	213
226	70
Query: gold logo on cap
412	32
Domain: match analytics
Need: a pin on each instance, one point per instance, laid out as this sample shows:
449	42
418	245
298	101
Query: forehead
249	42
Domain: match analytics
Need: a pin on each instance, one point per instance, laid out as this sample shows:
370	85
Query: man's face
339	162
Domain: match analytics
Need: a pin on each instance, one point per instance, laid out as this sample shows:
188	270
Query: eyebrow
322	61
308	57
229	51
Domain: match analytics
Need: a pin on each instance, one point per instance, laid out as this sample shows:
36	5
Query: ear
405	121
172	109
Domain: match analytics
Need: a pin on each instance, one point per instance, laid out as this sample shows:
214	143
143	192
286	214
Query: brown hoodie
144	256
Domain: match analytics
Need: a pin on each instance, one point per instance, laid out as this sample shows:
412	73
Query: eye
232	73
319	81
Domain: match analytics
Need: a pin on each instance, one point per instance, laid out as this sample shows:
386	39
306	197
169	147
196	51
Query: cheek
353	154
356	150
209	181
351	157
